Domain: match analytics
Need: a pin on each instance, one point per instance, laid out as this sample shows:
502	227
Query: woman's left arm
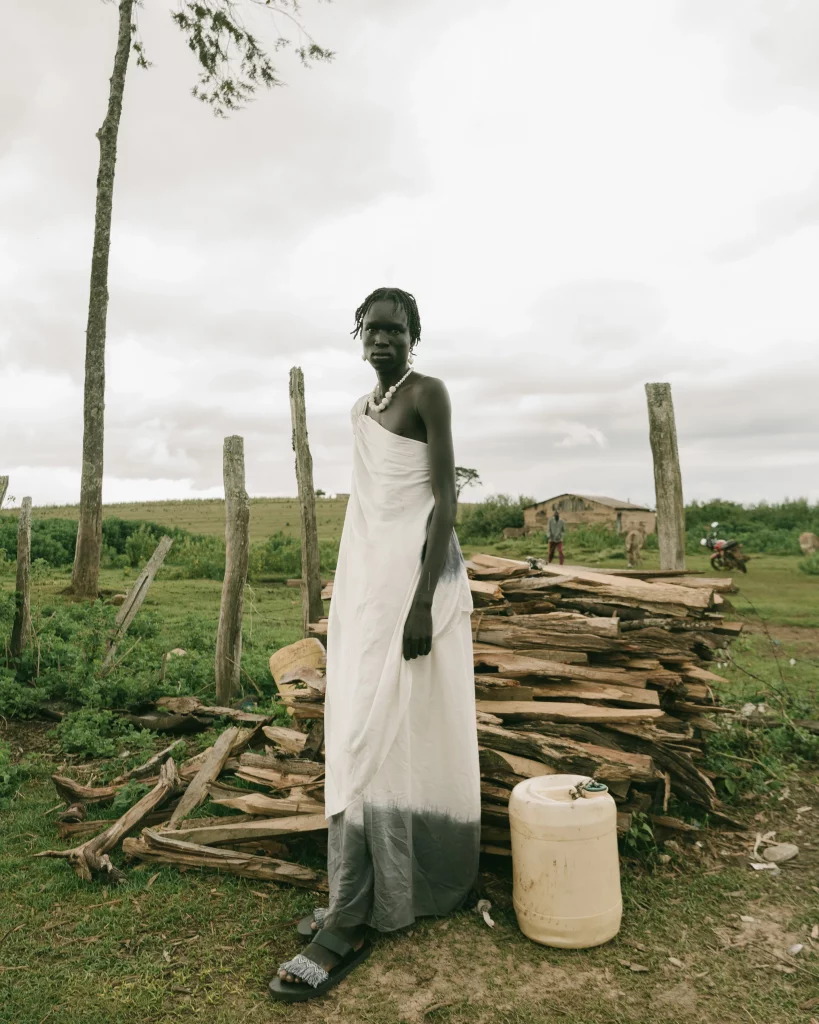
434	408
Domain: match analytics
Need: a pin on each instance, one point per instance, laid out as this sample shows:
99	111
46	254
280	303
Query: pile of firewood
597	673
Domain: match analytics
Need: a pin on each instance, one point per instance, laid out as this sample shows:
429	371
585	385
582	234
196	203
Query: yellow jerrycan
565	861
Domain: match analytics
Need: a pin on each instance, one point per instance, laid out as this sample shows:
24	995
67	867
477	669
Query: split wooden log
569	756
291	741
150	766
78	829
656	592
553	711
564	657
276	779
194	706
307	770
503	632
303	654
133	602
75	792
520	666
158	848
91	858
248	831
268	806
21	627
197	791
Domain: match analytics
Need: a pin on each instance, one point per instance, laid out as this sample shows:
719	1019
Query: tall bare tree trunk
89	534
312	605
4	486
237	550
21	630
667	476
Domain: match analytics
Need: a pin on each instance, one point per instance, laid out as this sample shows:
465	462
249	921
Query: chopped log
667	477
497	688
521	767
21	627
248	831
312	607
308	770
315	741
304	654
75	792
194	706
569	756
311	677
628	696
557	712
197	791
517	666
133	602
164	722
504	633
74	813
228	659
91	858
484	592
289	740
259	804
276	779
566	657
727	628
156	848
302	711
633	589
150	766
78	829
568	622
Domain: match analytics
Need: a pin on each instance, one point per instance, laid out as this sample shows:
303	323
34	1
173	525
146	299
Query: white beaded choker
377	406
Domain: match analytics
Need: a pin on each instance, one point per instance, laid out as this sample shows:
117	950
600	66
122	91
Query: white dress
402	778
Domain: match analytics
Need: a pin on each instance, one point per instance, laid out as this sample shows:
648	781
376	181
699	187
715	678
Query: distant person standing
556	531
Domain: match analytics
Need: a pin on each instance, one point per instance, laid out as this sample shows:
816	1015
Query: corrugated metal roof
611	502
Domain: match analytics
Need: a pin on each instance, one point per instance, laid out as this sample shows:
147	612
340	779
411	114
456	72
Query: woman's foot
323	957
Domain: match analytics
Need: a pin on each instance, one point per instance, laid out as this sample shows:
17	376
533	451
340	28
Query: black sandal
305	926
315	980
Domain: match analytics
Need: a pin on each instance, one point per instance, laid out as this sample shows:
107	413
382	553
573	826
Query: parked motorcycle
727	554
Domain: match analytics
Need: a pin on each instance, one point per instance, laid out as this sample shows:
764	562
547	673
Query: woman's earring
411	359
363	358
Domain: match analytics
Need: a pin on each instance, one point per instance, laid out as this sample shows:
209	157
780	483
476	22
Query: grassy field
207	516
709	935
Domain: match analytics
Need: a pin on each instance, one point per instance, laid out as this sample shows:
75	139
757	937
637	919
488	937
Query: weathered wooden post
312	606
21	630
237	549
4	486
133	602
667	477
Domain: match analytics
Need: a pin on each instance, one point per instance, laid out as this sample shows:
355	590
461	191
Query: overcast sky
583	196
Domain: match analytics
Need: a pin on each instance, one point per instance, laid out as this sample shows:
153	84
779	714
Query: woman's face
386	336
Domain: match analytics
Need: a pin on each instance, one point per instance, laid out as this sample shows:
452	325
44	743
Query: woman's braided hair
402	299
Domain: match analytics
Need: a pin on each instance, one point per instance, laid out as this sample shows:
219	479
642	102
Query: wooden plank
289	740
557	712
246	831
228	661
276	779
515	666
260	804
303	654
312	606
638	590
662	431
197	791
503	633
569	756
525	767
567	657
136	595
628	696
158	848
568	622
21	627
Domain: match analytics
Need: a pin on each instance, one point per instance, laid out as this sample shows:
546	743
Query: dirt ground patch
803	640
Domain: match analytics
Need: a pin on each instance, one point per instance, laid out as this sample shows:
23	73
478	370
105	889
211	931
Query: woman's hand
418	630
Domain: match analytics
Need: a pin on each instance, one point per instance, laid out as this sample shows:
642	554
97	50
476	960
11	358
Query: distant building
591	510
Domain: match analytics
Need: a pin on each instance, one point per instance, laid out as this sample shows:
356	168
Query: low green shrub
96	732
18	700
810	564
488	519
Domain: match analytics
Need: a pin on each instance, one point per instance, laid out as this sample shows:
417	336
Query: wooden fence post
136	595
667	477
4	486
21	630
312	605
237	550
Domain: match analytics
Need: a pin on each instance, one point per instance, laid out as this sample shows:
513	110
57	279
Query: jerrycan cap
591	788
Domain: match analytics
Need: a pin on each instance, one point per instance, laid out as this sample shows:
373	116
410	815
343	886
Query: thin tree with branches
233	66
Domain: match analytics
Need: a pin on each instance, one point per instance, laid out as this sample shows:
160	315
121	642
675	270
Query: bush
18	700
95	732
488	519
140	546
810	565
